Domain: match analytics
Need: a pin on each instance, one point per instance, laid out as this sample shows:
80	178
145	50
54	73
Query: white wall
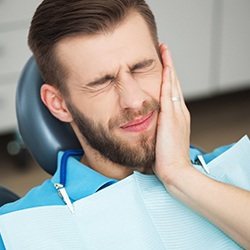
209	40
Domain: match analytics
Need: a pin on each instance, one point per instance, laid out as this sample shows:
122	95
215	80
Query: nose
131	94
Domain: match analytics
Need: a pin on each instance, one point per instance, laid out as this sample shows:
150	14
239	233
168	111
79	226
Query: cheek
151	84
103	109
91	108
157	87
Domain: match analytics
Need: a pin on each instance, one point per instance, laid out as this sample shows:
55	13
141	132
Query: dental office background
209	41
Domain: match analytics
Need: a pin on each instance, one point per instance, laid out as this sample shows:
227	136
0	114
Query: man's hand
173	132
212	199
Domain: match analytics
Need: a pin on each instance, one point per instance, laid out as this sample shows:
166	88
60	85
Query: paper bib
135	213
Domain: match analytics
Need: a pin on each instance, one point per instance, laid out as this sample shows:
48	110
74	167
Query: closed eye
101	81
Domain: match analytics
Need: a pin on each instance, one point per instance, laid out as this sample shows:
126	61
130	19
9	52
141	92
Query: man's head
55	20
102	62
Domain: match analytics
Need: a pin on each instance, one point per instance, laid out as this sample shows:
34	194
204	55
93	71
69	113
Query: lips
139	124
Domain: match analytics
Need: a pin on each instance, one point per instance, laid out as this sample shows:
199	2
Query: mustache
129	115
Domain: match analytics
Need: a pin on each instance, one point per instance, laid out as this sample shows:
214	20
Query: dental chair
43	134
7	196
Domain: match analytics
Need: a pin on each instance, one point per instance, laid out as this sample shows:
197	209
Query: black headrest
42	133
7	196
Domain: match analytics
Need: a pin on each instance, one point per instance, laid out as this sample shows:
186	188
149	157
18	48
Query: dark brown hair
58	19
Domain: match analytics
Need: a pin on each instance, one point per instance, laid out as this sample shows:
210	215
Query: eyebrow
143	64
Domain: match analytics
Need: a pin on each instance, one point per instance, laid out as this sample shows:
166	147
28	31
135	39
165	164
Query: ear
55	102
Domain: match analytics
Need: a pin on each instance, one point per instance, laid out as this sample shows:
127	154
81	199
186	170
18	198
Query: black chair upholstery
7	196
43	134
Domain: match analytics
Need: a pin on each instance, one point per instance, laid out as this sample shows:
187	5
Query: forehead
85	57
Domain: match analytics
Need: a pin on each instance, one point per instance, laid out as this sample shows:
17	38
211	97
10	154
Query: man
107	75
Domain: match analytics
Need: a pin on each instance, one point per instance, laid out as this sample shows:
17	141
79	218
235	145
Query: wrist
177	177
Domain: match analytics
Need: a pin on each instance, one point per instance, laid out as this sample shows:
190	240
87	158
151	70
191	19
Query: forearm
224	205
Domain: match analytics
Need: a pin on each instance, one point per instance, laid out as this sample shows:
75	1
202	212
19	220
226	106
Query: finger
167	61
176	88
166	87
169	90
166	91
172	89
163	48
176	95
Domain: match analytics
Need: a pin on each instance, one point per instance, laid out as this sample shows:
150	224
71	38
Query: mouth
139	124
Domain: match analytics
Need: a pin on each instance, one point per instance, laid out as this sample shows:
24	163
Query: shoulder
43	195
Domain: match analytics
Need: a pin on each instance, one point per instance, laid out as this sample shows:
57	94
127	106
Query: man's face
114	85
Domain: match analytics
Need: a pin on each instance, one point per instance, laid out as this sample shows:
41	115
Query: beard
111	147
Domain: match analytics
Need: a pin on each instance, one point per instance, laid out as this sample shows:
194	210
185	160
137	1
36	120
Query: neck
97	162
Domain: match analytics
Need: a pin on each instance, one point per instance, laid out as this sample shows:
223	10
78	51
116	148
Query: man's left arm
224	205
